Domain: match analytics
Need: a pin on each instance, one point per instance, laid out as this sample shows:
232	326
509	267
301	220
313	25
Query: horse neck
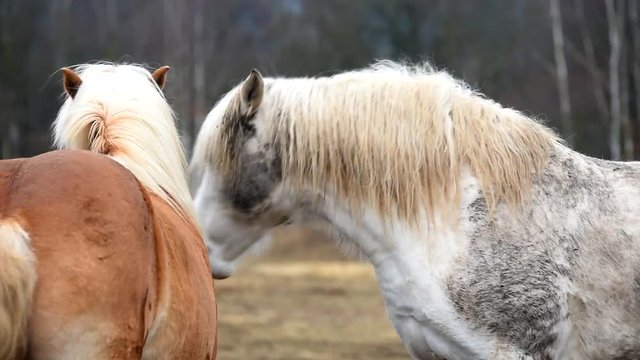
410	265
382	240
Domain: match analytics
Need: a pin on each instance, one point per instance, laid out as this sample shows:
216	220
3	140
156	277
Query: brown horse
100	256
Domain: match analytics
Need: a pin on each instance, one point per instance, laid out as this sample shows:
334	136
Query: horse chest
422	314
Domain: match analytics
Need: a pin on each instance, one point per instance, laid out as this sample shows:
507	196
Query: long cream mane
394	138
119	111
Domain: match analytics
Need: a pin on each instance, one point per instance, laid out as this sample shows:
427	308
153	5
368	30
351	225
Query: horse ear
71	81
160	76
252	91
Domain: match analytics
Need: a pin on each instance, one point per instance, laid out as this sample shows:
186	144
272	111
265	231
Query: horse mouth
219	276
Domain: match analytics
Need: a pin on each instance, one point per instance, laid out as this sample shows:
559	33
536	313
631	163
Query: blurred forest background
572	63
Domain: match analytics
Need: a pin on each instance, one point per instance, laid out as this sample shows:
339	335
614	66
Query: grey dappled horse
490	239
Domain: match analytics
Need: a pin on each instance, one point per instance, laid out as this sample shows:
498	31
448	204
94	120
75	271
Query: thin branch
547	65
593	69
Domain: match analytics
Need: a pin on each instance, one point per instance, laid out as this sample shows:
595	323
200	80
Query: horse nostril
284	220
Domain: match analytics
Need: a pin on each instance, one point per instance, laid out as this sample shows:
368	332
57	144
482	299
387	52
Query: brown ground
303	300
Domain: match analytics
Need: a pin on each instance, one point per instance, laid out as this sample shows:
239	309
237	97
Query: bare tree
562	75
60	15
108	20
177	39
635	65
599	85
615	42
627	127
198	97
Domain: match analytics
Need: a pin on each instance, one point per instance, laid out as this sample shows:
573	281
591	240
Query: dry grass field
303	300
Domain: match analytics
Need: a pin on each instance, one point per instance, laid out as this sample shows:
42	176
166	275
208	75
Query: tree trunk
60	11
198	98
627	127
635	60
176	52
614	80
598	84
562	76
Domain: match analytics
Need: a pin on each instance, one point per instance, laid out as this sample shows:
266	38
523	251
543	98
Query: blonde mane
393	138
119	111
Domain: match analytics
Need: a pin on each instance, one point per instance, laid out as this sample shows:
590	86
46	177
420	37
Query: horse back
92	233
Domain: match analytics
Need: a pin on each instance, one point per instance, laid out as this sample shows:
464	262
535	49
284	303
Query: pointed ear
71	81
160	76
251	93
